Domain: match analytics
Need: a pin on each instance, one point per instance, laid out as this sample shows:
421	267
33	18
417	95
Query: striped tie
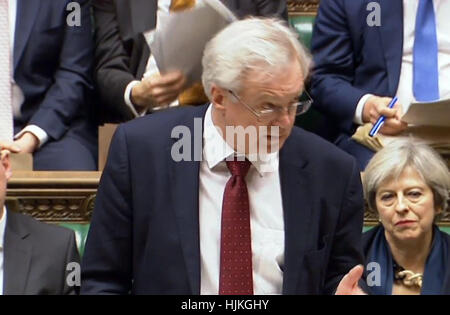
6	118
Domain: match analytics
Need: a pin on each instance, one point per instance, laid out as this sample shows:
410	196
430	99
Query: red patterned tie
236	243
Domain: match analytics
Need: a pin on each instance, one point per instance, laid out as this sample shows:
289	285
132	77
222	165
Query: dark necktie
425	58
236	272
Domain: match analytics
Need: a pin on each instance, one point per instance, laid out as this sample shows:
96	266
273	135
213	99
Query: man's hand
157	91
27	143
349	284
10	146
378	106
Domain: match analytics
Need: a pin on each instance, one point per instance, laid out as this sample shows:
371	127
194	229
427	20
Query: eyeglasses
271	111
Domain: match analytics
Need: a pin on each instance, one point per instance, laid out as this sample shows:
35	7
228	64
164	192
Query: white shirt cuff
127	98
36	131
357	119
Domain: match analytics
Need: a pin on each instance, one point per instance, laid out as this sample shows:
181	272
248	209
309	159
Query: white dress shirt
17	94
2	241
266	214
405	88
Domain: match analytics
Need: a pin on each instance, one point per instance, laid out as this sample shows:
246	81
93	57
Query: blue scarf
435	266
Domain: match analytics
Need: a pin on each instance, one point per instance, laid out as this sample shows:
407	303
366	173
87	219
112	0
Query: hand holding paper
179	43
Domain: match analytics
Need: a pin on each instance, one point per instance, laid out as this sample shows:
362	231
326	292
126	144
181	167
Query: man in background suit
277	221
33	256
50	83
359	68
122	54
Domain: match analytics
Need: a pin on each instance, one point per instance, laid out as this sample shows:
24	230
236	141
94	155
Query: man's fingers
168	79
166	99
387	112
163	93
393	126
10	146
349	283
164	89
354	275
169	92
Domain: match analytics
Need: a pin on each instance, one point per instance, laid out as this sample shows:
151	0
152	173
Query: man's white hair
262	44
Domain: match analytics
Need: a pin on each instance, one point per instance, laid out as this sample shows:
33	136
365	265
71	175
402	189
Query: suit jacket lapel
391	32
136	16
17	256
297	211
27	11
184	185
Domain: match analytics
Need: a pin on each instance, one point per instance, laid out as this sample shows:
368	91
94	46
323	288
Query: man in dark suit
51	83
365	54
122	53
290	220
34	256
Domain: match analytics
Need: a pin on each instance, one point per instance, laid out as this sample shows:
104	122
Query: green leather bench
81	231
61	198
304	24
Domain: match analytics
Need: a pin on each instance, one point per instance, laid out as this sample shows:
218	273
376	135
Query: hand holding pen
376	107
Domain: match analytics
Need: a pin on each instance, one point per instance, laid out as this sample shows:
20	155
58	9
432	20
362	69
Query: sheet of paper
179	43
436	137
429	113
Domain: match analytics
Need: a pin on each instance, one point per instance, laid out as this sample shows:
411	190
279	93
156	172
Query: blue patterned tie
426	76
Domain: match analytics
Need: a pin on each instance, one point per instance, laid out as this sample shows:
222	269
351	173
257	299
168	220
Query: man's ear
218	98
6	163
438	210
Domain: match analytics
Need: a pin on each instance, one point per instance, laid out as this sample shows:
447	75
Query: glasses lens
304	103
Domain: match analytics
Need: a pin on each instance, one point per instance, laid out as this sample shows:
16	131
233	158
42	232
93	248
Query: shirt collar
216	149
2	227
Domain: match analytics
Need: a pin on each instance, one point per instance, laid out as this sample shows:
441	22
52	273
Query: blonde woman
408	185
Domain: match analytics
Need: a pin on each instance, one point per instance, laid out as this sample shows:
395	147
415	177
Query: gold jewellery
409	278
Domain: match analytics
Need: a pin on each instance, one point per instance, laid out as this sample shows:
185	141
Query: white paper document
179	43
429	113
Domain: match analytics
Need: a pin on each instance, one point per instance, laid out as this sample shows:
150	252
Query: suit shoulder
158	127
318	148
41	230
164	120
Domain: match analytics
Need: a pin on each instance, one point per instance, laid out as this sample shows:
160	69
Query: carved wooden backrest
303	6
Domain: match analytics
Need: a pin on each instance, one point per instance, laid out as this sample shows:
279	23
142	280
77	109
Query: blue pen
381	120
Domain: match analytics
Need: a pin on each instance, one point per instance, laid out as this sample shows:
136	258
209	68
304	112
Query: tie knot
239	168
